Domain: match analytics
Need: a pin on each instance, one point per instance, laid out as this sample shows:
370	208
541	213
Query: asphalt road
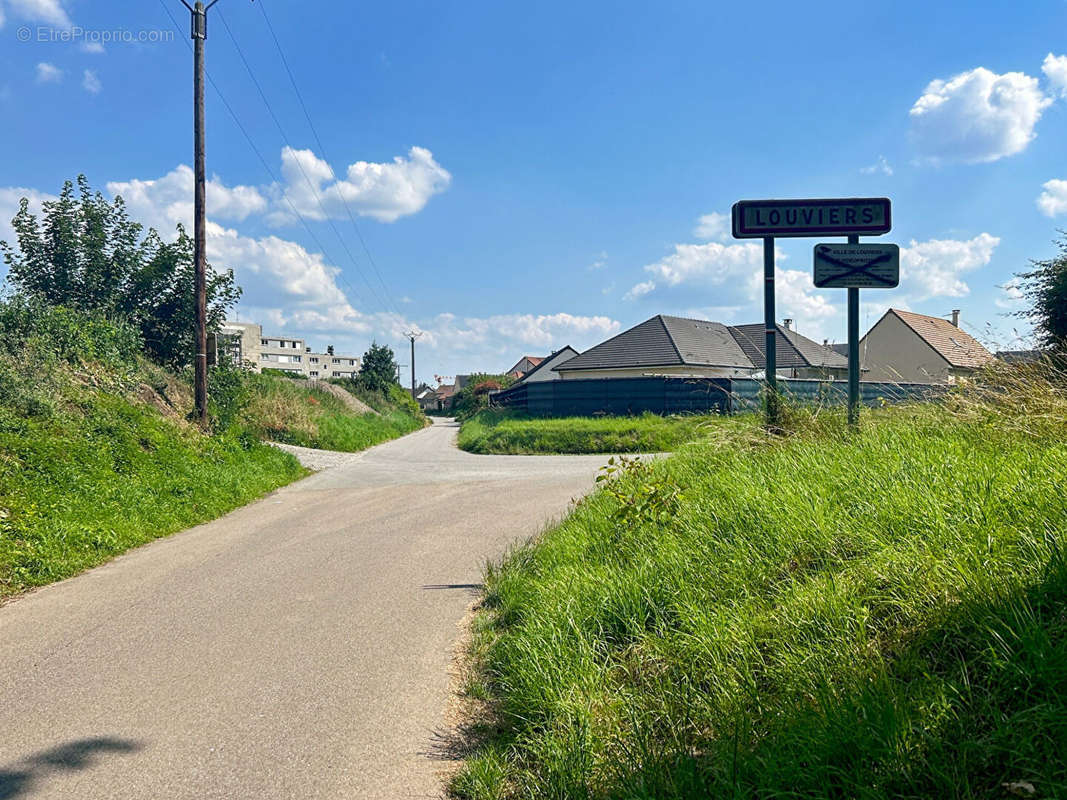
297	648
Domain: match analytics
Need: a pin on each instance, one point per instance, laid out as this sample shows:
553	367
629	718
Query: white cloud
1055	69
600	262
164	202
713	226
10	198
639	290
94	48
50	12
934	268
712	263
48	73
385	192
1011	295
881	165
3	19
977	116
1053	200
735	274
91	83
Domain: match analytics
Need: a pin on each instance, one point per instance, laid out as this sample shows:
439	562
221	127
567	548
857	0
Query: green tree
87	254
378	370
1045	286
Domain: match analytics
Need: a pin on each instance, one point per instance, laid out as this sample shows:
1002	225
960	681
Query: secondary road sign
861	216
857	266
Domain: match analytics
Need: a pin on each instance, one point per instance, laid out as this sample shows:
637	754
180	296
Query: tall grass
828	614
95	456
509	433
296	412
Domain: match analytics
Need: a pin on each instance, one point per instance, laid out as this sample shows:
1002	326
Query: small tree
87	254
1045	286
378	370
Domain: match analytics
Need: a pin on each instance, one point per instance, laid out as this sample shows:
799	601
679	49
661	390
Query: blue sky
527	176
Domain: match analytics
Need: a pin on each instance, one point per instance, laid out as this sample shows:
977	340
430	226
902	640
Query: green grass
507	433
295	412
79	487
875	615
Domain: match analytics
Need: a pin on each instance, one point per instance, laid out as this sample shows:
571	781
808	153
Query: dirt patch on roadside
352	403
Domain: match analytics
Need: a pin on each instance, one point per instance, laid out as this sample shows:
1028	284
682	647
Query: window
264	342
313	360
337	361
314	374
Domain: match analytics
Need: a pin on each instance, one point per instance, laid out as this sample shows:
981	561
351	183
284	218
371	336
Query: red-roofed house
905	347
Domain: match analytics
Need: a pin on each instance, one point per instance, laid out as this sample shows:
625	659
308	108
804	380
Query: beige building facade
905	347
248	344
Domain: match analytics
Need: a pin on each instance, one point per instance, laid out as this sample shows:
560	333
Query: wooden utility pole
413	335
198	32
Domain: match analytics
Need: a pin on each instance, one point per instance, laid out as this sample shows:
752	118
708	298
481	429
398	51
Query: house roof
1020	356
791	349
666	341
554	360
534	361
957	347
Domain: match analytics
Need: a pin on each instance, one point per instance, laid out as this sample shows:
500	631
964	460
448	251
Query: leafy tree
474	396
87	254
378	370
1045	286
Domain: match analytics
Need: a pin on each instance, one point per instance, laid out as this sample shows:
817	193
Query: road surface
297	648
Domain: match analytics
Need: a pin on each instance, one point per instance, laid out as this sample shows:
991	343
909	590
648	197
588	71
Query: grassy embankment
96	455
819	615
297	412
509	433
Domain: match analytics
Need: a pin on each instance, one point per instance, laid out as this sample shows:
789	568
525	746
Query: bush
474	397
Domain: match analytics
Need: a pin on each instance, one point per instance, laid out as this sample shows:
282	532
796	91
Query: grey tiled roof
791	349
665	341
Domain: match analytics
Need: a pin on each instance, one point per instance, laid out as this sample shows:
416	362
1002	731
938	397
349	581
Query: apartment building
248	344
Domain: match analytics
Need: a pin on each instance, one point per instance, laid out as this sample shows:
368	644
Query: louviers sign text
866	216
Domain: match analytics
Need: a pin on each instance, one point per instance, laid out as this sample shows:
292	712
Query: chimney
825	342
956	317
788	323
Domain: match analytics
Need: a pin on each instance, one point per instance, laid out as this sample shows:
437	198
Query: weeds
507	433
874	614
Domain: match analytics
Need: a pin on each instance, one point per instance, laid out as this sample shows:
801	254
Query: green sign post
850	217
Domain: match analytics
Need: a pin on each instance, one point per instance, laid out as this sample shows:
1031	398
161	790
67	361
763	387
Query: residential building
249	345
524	365
905	347
546	368
674	346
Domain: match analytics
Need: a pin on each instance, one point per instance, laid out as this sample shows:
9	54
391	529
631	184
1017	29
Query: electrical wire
263	161
300	166
322	149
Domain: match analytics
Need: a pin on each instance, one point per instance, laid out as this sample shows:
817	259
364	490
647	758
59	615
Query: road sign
857	266
861	216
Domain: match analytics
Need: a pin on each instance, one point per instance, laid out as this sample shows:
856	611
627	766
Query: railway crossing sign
857	266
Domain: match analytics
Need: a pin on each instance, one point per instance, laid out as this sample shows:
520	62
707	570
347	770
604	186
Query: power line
300	166
263	161
322	149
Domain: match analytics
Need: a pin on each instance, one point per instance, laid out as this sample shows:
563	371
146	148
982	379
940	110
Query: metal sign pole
771	370
853	349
